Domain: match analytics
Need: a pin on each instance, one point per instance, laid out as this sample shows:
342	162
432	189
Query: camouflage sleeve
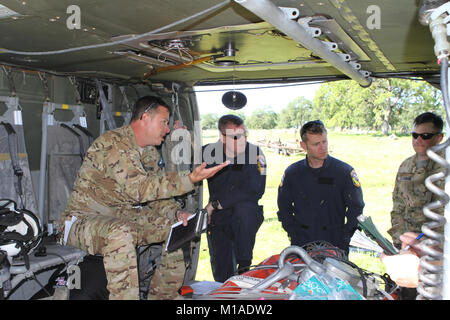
125	166
397	216
165	208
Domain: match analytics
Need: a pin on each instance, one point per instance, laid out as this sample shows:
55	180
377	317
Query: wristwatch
215	204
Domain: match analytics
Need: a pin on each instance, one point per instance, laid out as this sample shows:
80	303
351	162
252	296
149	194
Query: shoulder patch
282	180
355	179
261	164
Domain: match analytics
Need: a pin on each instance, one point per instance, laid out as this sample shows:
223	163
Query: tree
209	121
342	104
264	118
386	105
388	96
424	98
297	112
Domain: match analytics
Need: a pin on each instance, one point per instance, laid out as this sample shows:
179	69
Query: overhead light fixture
234	100
225	63
229	51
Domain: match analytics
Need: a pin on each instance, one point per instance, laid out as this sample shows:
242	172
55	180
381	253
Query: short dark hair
427	117
229	118
146	104
312	127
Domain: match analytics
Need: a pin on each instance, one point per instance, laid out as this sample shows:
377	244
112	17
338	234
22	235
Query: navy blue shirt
320	203
243	180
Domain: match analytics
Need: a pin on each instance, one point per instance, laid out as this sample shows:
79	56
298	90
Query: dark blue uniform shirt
237	187
243	180
320	203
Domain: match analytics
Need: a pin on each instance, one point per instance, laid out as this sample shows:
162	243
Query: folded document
180	235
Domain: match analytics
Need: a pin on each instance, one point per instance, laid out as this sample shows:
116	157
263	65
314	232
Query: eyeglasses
236	136
424	136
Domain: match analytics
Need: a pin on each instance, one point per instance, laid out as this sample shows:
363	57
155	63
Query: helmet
20	230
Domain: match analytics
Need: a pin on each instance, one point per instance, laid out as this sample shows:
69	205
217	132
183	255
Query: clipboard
180	235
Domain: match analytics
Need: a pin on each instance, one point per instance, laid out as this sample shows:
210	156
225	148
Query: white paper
360	240
50	228
67	226
50	120
18	118
83	122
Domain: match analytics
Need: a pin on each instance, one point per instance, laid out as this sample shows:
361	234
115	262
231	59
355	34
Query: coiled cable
431	273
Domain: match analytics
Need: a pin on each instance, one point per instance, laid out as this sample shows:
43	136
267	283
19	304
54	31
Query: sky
258	96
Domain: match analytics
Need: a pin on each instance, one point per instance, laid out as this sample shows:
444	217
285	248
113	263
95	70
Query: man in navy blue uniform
233	212
319	197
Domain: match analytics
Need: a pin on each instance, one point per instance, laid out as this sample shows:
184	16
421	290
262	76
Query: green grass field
375	158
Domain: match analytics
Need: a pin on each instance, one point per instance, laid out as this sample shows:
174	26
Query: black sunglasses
151	106
424	136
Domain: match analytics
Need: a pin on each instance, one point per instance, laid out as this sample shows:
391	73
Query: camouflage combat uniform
115	176
410	195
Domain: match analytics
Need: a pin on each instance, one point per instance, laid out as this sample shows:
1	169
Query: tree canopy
263	118
387	105
297	112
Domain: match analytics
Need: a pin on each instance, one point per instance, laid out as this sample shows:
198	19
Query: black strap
86	132
16	236
13	146
9	218
107	107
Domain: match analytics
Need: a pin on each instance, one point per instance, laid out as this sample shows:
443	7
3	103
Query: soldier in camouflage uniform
120	171
410	193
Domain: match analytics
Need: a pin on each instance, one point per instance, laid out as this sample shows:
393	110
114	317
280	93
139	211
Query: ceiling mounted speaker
234	100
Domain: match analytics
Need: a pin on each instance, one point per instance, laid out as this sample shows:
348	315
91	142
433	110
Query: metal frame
48	120
268	11
12	104
126	116
13	115
107	108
